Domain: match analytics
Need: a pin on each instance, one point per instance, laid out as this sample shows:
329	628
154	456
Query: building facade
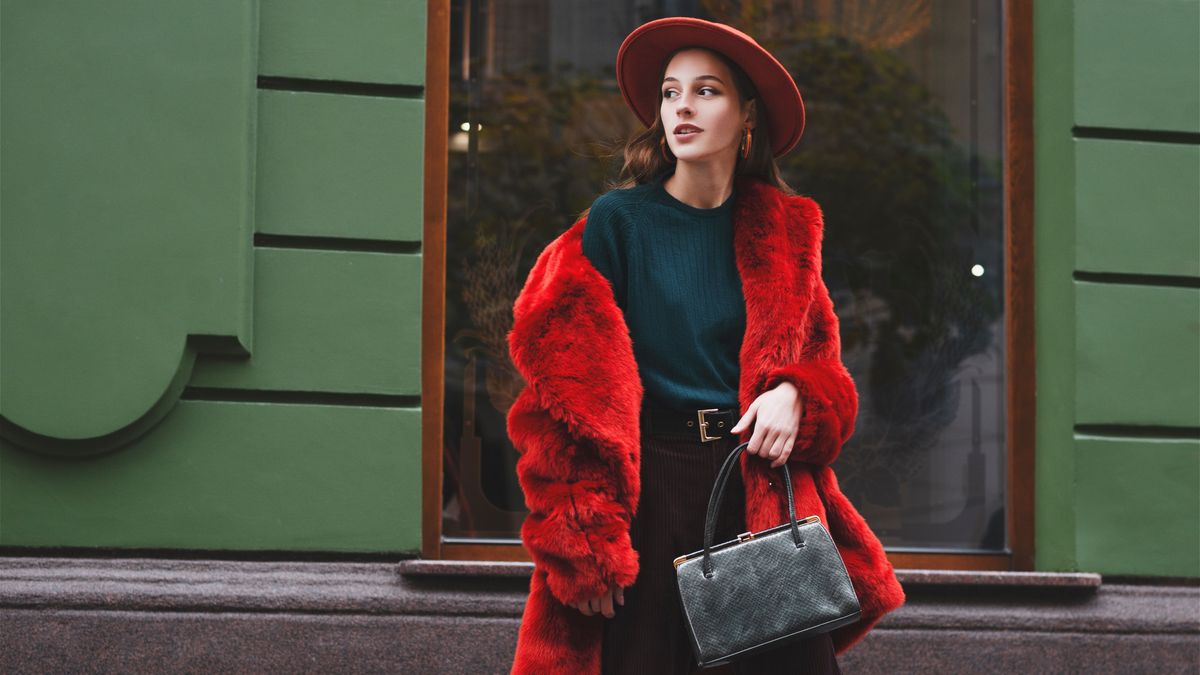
257	262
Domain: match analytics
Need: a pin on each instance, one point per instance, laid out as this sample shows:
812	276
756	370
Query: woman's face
698	90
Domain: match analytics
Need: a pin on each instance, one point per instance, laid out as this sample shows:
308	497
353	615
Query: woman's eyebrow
701	77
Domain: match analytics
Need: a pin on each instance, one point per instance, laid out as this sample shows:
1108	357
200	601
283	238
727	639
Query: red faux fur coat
574	424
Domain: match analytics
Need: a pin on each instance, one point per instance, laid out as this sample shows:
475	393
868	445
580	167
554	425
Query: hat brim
641	57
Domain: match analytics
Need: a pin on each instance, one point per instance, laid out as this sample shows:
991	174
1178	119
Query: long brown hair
644	159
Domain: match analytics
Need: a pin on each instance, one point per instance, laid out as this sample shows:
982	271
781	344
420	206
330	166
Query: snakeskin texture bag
763	589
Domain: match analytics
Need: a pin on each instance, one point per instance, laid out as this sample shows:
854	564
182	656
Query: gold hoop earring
746	144
662	146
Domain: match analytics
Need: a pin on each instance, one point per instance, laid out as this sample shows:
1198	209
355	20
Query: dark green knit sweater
674	276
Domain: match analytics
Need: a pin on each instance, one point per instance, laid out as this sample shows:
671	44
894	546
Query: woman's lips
687	136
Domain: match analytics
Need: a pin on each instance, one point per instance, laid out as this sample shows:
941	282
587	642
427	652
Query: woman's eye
667	93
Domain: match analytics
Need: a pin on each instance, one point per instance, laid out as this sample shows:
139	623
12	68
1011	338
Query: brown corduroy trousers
648	634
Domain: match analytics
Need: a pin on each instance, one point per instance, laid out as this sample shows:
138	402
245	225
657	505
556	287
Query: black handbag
763	589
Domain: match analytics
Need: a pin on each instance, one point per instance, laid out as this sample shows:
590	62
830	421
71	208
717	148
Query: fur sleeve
576	531
828	393
577	464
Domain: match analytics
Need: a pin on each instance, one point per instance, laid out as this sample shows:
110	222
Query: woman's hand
778	413
604	603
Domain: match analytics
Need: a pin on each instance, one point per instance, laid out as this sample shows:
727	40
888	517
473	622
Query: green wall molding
329	321
371	41
1150	225
1139	64
127	176
1132	495
218	475
1137	355
1118	310
340	165
1054	237
146	159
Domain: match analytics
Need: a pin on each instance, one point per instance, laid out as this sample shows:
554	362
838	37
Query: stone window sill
907	577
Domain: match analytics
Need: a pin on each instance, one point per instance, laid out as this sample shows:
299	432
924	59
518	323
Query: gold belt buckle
704	425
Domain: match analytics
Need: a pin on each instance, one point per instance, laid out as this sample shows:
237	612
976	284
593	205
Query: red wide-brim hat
641	58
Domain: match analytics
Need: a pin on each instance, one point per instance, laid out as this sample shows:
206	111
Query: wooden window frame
1018	303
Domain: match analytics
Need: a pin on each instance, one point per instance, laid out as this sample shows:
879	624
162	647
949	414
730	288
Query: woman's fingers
603	604
774	425
787	451
769	449
746	419
777	447
768	443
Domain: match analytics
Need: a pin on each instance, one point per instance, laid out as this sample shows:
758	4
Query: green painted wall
127	174
130	271
147	159
1117	89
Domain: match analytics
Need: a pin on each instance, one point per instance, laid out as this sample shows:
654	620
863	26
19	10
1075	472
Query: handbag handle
718	493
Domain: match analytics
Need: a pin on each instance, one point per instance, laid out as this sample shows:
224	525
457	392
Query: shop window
905	150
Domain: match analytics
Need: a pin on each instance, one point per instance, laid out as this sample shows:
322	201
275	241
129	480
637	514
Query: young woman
682	314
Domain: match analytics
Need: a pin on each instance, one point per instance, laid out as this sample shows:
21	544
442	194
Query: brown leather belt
703	424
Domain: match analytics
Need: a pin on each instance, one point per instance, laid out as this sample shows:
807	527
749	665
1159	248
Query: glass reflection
903	150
